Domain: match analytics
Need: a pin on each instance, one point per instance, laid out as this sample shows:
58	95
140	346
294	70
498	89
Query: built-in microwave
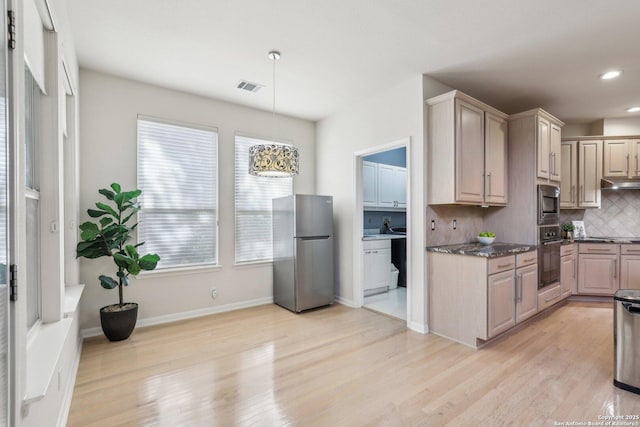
548	204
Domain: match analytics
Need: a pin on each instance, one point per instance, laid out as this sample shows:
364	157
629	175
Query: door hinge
11	34
13	283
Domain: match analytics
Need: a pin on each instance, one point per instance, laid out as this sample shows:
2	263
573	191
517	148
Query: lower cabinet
630	267
598	269
501	294
568	271
513	294
526	292
376	266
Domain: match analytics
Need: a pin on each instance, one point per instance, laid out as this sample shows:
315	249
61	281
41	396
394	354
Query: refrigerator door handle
315	237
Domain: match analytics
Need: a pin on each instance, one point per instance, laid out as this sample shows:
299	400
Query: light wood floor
349	367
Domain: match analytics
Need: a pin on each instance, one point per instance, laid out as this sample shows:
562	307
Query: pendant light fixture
273	160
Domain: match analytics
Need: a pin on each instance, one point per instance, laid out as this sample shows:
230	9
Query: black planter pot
118	322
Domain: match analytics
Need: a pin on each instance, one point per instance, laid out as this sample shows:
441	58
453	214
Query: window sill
252	264
43	354
180	271
72	296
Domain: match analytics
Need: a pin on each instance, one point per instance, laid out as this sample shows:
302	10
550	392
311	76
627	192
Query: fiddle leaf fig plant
108	236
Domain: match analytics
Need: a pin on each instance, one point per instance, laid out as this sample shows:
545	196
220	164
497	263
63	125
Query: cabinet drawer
630	249
527	258
368	245
548	297
598	248
496	265
567	250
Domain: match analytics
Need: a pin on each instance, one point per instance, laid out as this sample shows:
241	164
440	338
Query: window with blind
253	196
178	176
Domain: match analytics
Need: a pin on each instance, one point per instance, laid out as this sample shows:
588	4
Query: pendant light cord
273	135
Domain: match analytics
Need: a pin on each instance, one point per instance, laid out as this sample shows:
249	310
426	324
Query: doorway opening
382	229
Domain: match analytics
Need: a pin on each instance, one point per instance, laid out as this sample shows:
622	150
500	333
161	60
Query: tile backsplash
618	216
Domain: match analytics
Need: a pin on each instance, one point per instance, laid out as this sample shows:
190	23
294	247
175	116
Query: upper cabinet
621	158
369	184
581	174
589	173
569	171
542	130
384	187
392	186
467	151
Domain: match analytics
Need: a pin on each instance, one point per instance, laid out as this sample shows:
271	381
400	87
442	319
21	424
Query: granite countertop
384	236
605	240
493	250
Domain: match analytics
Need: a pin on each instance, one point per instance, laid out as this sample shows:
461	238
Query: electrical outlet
214	293
433	225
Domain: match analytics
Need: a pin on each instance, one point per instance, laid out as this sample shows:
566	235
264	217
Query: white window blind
253	196
177	173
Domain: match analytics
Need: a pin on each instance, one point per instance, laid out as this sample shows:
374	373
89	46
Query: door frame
358	221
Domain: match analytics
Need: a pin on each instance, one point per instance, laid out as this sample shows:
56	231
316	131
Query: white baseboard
345	301
68	392
422	328
174	317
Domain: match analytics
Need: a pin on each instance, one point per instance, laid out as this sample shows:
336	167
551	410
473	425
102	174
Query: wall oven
548	205
549	255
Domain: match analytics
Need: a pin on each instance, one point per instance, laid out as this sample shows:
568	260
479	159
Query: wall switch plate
433	224
455	224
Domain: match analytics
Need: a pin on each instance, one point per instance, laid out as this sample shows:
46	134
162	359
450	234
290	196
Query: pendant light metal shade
273	160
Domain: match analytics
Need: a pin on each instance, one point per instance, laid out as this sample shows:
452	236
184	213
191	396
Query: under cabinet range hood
620	183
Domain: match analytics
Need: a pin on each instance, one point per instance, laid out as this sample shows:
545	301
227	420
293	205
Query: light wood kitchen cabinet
526	292
392	186
495	159
369	184
376	266
473	299
555	141
467	151
589	173
568	271
621	158
630	267
548	149
501	292
569	171
598	269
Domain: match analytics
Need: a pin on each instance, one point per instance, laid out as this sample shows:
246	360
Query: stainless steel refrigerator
303	251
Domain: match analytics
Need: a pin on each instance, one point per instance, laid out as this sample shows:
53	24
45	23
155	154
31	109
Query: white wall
386	116
622	126
108	108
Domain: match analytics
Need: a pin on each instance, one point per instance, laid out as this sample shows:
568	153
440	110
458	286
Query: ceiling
514	55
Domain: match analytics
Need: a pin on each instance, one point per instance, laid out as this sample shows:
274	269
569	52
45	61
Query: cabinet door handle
575	269
484	185
529	260
632	250
550	163
489	181
375	252
615	268
518	287
628	168
637	169
367	252
573	191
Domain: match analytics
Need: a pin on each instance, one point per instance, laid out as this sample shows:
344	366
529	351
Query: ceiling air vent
248	86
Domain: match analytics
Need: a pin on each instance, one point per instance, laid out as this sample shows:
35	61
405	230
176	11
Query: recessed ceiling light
633	109
611	74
